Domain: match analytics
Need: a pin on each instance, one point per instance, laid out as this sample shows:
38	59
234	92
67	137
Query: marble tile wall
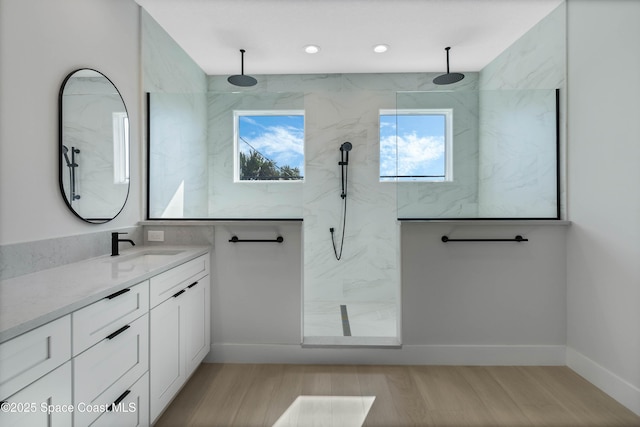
451	199
179	170
166	67
517	124
227	199
518	154
368	270
177	88
338	108
537	60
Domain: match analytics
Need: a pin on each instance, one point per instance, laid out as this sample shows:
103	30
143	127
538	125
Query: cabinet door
166	361
46	402
197	324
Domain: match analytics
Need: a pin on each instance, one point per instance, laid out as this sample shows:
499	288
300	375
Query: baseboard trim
616	387
488	355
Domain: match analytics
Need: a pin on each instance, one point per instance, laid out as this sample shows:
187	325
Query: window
415	145
120	148
269	145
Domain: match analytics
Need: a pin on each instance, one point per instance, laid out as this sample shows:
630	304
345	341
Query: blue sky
278	138
420	144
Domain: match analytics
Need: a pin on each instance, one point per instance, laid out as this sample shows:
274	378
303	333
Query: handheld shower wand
72	165
344	170
343	163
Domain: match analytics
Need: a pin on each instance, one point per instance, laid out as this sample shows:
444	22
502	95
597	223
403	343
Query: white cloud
283	144
414	154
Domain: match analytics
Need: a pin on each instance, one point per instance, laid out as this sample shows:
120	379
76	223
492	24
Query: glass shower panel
178	151
196	148
501	159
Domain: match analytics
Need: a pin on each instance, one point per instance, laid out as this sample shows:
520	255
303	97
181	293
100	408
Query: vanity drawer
31	355
168	283
94	322
132	409
107	368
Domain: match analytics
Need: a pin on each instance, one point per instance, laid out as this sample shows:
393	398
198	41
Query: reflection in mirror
94	146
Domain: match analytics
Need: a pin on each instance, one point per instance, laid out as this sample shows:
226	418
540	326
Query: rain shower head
242	79
346	146
447	79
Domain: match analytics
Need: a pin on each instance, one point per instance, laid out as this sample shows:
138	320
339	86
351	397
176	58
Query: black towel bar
235	239
518	238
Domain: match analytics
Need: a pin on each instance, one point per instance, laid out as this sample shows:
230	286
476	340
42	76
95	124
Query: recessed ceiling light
380	48
312	48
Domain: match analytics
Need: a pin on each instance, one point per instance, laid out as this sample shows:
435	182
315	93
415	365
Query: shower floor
360	319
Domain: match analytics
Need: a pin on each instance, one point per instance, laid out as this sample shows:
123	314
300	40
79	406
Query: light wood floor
235	395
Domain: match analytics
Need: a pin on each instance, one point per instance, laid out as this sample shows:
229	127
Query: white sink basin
146	255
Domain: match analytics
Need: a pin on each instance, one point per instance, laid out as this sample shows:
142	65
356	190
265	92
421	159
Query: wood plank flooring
238	395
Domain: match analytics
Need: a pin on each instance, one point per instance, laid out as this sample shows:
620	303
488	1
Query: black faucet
115	241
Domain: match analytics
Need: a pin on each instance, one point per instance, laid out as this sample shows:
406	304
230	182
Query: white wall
483	293
40	43
603	246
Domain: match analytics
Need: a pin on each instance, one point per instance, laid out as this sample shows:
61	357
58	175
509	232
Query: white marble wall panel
449	199
179	150
178	86
518	123
537	60
166	67
518	156
257	199
368	270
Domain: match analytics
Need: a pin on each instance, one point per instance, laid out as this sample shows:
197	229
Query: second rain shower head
449	78
242	79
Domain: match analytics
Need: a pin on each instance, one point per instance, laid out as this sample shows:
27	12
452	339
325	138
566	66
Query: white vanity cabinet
111	354
35	373
114	361
179	329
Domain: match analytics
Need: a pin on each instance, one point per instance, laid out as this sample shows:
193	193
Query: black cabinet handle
177	294
118	332
118	400
117	294
192	285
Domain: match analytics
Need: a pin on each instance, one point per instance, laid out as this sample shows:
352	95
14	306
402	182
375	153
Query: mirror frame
61	168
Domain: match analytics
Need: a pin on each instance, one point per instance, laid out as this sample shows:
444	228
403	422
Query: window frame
448	142
236	136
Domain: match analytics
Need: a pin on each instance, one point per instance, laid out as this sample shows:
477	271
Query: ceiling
274	33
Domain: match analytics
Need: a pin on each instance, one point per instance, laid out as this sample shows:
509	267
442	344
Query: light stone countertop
34	299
